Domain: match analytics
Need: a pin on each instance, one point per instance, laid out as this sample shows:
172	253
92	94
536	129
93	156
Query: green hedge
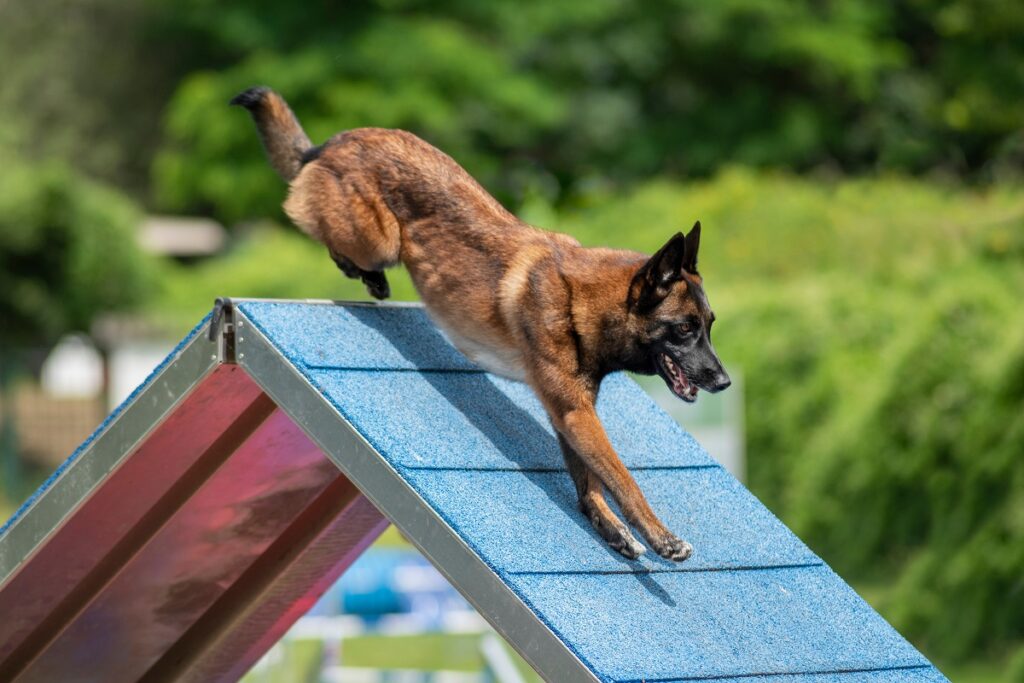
887	427
67	252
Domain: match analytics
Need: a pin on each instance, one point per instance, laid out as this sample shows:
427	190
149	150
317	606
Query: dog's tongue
679	383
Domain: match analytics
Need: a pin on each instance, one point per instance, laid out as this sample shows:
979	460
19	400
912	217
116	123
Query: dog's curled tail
280	131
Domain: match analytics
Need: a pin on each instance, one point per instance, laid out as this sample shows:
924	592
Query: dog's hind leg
348	215
376	281
593	504
346	266
376	284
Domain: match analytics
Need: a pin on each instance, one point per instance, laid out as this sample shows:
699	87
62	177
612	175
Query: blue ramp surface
752	604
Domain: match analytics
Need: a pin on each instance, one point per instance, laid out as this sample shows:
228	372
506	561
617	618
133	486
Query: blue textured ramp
715	623
752	604
916	674
530	523
476	421
359	337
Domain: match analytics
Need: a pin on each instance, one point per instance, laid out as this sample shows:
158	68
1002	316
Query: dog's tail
280	131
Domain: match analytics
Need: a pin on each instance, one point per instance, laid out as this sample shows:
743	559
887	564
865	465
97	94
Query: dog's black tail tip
251	98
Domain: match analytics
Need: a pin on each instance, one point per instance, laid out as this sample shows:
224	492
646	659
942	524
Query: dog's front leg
571	408
590	491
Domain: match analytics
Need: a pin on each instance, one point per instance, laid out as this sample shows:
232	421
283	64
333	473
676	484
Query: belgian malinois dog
521	302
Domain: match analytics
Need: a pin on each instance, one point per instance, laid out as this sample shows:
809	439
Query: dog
521	302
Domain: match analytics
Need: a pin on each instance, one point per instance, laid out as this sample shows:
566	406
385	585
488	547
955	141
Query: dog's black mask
667	293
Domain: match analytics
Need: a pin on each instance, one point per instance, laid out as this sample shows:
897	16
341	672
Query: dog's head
666	297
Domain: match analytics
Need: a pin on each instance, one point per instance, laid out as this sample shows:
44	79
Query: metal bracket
222	329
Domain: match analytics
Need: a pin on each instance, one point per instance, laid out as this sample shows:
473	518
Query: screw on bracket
222	329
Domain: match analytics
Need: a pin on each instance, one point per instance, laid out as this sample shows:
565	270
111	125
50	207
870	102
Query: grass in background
289	661
391	538
424	652
429	652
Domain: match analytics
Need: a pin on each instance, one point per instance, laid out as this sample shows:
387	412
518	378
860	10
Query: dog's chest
505	362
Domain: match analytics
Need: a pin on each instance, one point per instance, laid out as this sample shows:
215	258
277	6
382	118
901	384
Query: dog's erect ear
666	266
692	245
652	282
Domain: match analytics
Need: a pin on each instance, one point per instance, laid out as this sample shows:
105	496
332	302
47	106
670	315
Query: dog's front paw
627	546
617	536
671	547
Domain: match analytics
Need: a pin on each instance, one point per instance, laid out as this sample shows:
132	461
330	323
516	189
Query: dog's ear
653	281
692	245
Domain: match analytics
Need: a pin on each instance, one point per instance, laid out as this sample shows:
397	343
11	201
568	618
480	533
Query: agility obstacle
214	507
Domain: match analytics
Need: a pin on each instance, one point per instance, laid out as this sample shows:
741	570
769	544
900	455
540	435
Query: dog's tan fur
522	302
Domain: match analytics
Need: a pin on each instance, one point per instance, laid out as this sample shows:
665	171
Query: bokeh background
858	167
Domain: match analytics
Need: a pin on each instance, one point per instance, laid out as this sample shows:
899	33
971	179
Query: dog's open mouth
676	379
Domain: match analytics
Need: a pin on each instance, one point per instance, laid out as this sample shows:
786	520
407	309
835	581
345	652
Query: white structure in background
182	237
715	420
499	662
133	355
74	369
131	362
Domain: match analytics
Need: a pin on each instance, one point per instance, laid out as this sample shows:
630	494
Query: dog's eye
688	327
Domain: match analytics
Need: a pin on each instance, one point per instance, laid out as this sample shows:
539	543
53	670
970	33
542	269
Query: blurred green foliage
553	98
265	262
532	97
67	251
293	661
85	83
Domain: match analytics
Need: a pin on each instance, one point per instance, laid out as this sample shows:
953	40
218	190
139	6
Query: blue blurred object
391	581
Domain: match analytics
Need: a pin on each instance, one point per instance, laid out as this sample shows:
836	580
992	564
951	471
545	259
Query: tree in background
67	252
535	98
85	83
557	99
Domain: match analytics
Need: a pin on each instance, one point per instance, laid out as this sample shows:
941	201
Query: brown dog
521	302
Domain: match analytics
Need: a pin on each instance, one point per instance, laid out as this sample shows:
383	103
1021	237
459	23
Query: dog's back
376	197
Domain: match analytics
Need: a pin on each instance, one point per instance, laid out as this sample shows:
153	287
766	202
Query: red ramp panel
181	540
248	472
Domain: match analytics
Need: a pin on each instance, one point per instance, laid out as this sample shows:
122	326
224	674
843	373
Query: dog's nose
722	383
